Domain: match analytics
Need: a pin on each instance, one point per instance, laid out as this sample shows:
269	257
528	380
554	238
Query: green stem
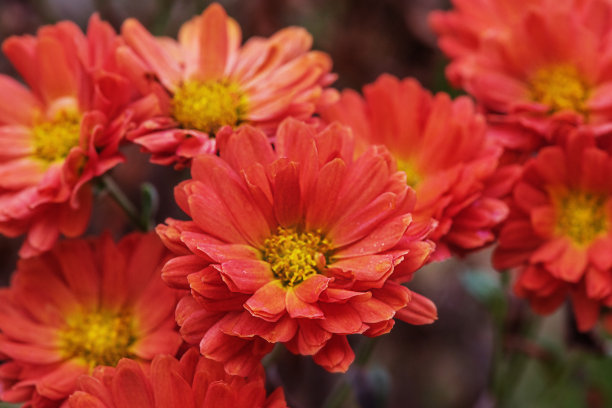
560	374
517	362
126	205
339	395
496	371
343	388
508	364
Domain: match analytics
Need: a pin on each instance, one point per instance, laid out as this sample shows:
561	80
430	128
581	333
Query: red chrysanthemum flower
83	304
442	147
301	246
62	132
192	382
211	81
559	231
466	29
514	58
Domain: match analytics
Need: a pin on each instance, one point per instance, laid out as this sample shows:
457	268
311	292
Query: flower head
466	29
514	59
559	232
442	148
302	246
84	304
194	381
62	131
212	81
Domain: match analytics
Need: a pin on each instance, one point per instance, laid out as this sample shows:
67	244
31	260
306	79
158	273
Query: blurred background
485	343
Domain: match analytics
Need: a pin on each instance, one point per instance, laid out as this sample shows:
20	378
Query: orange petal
21	107
169	388
419	311
586	310
336	356
213	45
143	42
297	308
56	77
130	387
268	302
246	276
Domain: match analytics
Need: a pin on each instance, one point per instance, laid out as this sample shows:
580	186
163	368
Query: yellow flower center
207	106
582	217
101	338
560	87
53	139
413	177
294	256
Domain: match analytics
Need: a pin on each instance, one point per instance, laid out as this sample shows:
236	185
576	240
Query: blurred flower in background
193	381
84	304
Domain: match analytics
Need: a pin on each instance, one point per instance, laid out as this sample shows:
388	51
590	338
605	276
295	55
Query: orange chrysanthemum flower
301	246
467	28
192	382
62	132
83	304
514	58
211	81
441	146
559	232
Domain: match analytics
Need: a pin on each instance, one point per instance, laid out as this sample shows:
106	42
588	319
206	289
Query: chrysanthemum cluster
548	104
308	211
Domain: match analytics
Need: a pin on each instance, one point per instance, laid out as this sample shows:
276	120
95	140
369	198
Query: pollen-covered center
207	106
100	338
413	177
582	216
296	255
54	138
560	87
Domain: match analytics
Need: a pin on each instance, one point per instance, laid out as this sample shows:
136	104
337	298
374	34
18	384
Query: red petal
143	42
246	276
336	356
570	266
585	310
298	308
81	399
213	43
419	311
219	394
323	199
80	271
287	195
130	388
310	289
373	269
56	77
169	388
165	341
341	319
19	109
383	238
62	381
598	283
268	302
373	310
